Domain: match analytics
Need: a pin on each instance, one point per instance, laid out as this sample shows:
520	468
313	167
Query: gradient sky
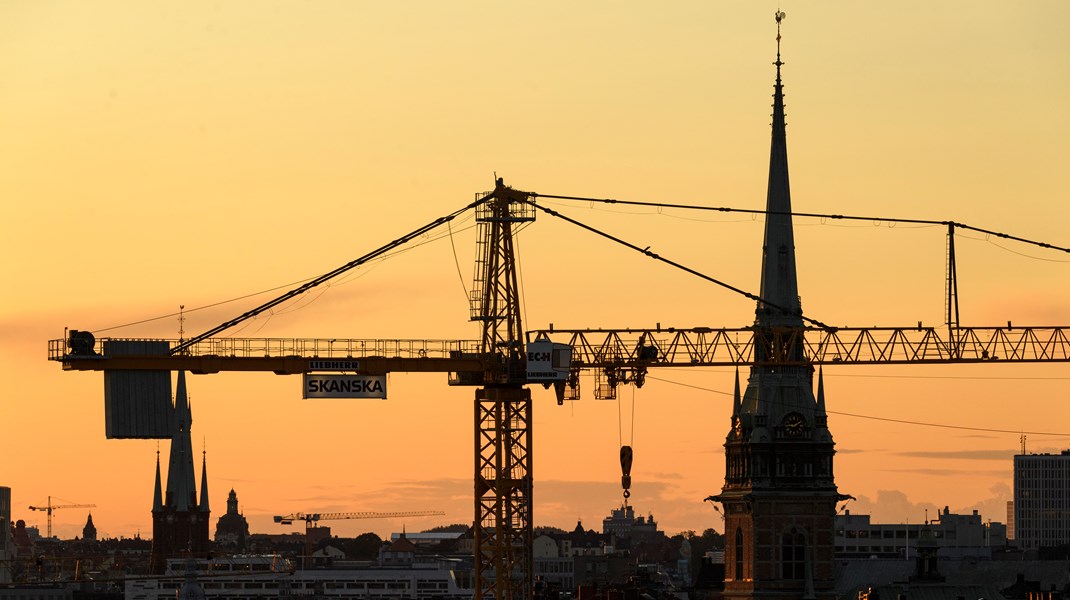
158	154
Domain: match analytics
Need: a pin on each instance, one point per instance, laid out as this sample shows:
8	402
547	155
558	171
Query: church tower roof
779	285
181	493
157	496
774	392
204	482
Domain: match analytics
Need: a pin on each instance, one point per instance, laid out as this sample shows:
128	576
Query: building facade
262	577
7	544
1042	500
954	536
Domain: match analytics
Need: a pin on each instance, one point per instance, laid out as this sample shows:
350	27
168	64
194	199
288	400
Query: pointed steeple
181	493
204	482
737	398
779	285
821	416
157	497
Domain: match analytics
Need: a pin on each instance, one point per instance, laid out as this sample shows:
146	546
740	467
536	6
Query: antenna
1023	443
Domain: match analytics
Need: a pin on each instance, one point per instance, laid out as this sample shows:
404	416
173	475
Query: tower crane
311	519
501	366
49	507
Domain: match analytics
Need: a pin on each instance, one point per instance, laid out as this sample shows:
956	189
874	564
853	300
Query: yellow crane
49	507
311	519
506	360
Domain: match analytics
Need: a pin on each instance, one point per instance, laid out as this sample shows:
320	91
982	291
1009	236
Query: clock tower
779	496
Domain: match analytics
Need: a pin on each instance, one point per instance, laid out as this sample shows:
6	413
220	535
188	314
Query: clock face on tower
794	424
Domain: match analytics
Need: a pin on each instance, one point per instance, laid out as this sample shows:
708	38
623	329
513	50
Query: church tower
779	495
179	523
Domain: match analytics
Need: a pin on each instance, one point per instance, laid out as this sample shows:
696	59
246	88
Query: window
739	554
793	555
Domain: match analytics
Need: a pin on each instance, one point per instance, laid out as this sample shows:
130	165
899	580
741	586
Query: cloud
951	472
893	506
1006	455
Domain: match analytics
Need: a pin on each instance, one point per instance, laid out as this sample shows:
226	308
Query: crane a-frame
501	366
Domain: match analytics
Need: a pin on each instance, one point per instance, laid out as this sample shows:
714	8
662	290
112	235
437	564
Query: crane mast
503	530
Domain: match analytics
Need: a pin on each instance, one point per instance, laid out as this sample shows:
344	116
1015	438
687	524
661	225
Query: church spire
779	286
157	496
204	482
737	398
181	493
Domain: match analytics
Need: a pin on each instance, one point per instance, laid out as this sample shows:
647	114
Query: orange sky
162	154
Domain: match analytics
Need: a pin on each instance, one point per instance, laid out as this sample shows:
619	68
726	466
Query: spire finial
182	307
780	15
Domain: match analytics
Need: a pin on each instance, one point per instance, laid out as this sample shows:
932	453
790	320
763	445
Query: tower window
739	554
793	555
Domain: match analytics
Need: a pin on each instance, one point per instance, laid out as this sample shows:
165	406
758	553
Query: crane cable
661	205
660	258
885	419
183	347
626	452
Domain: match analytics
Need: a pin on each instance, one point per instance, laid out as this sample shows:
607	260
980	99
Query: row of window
792	555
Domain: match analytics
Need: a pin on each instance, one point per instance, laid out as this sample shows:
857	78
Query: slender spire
779	284
821	415
204	482
737	398
181	493
157	497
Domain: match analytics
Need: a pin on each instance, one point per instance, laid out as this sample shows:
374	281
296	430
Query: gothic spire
204	482
737	398
181	486
821	414
779	285
820	391
157	497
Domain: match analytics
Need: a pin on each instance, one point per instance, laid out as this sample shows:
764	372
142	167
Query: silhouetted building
232	530
622	523
397	552
779	495
179	521
956	536
89	532
21	535
7	545
1042	500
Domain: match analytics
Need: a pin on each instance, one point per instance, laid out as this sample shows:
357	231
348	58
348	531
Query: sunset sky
193	153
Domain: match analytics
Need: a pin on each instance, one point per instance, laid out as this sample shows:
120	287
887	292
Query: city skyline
192	155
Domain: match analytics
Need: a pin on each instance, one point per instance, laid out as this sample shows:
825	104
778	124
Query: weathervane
780	15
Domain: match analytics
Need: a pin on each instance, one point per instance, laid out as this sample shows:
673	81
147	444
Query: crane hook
626	471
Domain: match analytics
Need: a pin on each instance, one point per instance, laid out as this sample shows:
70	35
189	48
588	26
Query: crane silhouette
49	507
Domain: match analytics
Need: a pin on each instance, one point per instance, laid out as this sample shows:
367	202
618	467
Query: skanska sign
344	386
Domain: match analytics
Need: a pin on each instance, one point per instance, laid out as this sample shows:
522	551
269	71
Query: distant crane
49	507
311	519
